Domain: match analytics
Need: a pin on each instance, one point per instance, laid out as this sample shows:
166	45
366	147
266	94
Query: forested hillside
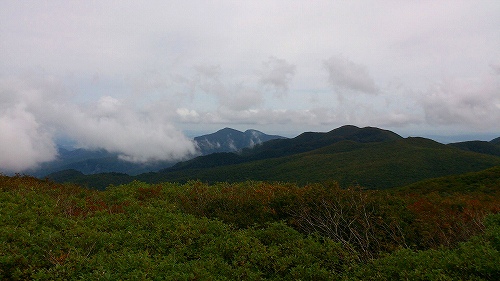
379	164
376	165
251	231
479	146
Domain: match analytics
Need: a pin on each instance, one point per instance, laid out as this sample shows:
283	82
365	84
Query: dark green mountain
309	141
370	157
93	181
371	165
283	147
485	181
478	146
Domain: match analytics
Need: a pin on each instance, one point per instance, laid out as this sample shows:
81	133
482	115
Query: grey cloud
495	68
358	114
226	116
347	75
468	102
241	97
277	74
234	96
209	71
395	119
271	116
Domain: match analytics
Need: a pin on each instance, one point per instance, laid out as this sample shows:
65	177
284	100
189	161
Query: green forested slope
372	165
478	146
285	147
485	181
371	157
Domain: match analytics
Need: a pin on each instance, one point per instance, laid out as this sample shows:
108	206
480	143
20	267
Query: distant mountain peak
227	130
252	131
231	140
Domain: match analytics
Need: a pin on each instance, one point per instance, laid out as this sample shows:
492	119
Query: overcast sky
142	77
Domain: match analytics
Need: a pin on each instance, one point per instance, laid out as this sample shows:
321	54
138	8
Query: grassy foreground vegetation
250	231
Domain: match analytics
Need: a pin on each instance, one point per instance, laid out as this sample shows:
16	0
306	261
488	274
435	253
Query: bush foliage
244	231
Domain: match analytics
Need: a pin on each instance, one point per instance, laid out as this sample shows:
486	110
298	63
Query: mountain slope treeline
371	157
284	147
372	165
484	147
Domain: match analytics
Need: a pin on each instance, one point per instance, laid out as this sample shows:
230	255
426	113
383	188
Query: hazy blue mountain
100	161
66	158
495	141
94	162
231	140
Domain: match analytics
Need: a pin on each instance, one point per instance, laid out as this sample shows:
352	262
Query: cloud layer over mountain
33	114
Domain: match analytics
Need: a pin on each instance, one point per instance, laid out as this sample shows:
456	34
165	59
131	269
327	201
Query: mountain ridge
371	157
495	141
304	142
372	165
230	140
484	147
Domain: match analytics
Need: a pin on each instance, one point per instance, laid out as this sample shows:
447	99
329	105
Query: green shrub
476	259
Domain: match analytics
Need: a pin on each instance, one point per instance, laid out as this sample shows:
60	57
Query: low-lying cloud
136	137
33	113
23	141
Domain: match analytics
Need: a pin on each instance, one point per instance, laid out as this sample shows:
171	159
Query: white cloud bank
31	115
137	137
23	142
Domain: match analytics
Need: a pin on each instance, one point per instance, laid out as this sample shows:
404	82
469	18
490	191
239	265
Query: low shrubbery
244	231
